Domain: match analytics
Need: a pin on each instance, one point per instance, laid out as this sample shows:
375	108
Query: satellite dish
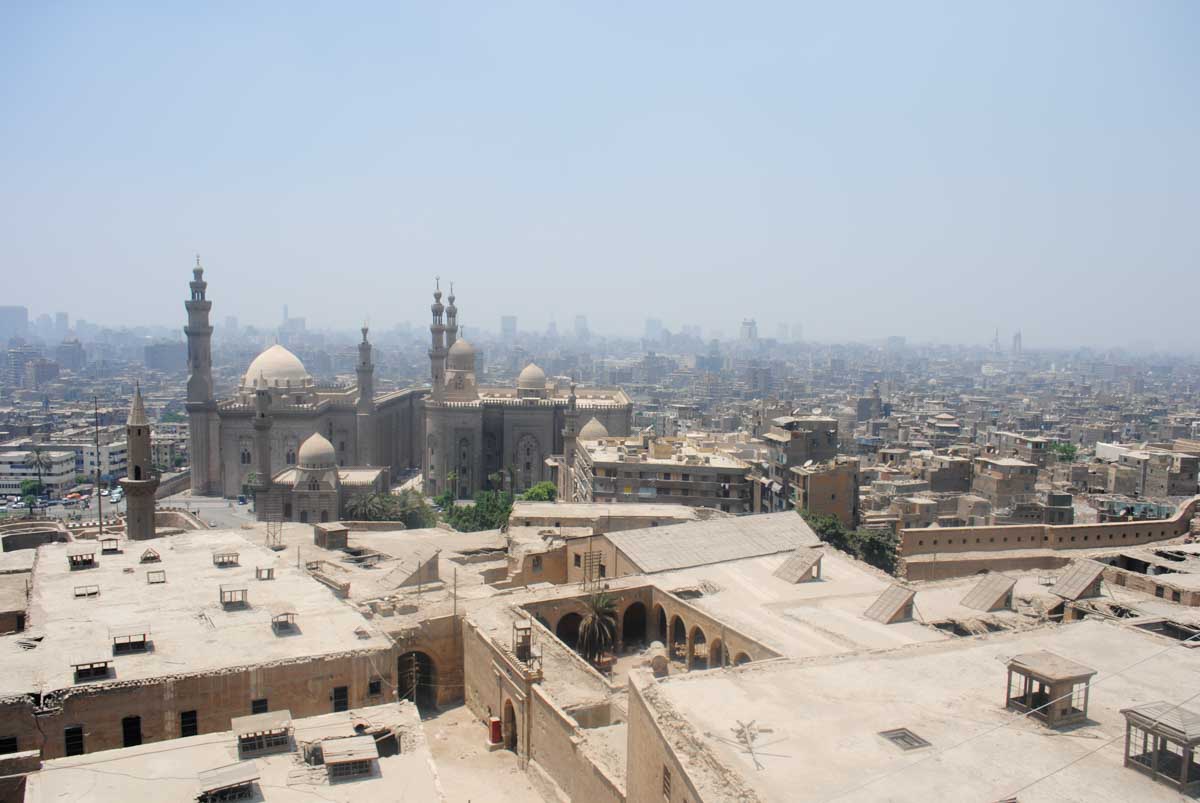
807	463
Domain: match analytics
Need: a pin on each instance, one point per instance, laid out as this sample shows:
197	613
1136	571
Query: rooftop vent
87	591
283	619
1160	741
263	733
803	565
234	596
893	605
992	593
233	782
904	739
130	638
150	556
110	546
224	559
157	576
82	559
349	757
1080	581
1050	687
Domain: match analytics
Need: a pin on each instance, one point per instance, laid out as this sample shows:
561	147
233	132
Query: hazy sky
931	170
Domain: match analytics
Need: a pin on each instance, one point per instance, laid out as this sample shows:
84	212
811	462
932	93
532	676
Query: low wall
171	484
559	746
1039	538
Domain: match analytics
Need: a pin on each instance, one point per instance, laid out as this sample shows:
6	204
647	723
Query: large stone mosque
305	447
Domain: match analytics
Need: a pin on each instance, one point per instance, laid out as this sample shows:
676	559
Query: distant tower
437	351
996	342
142	480
451	319
262	442
365	408
566	490
1016	347
202	409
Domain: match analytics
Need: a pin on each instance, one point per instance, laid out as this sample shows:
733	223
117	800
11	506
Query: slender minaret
201	408
437	352
570	433
262	442
451	320
365	407
142	480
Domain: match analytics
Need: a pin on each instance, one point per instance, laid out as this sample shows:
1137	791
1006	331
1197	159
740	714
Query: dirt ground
467	770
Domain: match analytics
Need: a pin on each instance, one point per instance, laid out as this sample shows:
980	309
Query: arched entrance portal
417	677
716	654
741	658
633	624
510	726
660	623
698	654
568	629
678	639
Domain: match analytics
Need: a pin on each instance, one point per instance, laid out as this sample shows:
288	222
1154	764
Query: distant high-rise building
231	326
69	354
798	332
781	332
1016	346
166	356
581	327
62	324
654	329
551	330
748	331
508	327
14	322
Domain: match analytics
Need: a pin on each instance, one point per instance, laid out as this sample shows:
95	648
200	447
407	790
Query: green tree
876	547
489	511
366	507
598	630
828	528
541	492
31	488
1066	451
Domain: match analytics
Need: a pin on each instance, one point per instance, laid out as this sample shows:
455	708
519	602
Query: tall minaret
262	442
365	408
451	320
202	409
566	491
437	353
142	481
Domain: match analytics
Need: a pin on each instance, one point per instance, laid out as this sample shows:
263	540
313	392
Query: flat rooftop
594	511
190	630
820	721
610	451
172	770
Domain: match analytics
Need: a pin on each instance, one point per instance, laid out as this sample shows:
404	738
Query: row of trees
489	510
876	547
407	507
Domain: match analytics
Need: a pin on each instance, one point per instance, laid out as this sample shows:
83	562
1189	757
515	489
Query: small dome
461	356
593	430
316	452
532	378
278	367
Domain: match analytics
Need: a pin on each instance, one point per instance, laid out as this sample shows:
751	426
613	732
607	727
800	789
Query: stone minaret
437	352
451	319
566	491
142	480
201	407
262	441
365	407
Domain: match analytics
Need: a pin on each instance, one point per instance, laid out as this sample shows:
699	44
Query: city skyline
900	172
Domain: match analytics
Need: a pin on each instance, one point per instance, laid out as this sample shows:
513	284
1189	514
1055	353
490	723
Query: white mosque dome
461	356
593	430
316	452
279	367
532	378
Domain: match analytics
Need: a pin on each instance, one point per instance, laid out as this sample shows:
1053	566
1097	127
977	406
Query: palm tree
598	629
365	507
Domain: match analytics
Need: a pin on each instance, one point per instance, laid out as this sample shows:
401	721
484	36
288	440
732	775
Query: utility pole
456	591
99	498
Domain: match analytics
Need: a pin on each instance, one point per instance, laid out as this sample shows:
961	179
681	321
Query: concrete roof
599	510
658	549
193	632
825	717
174	770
